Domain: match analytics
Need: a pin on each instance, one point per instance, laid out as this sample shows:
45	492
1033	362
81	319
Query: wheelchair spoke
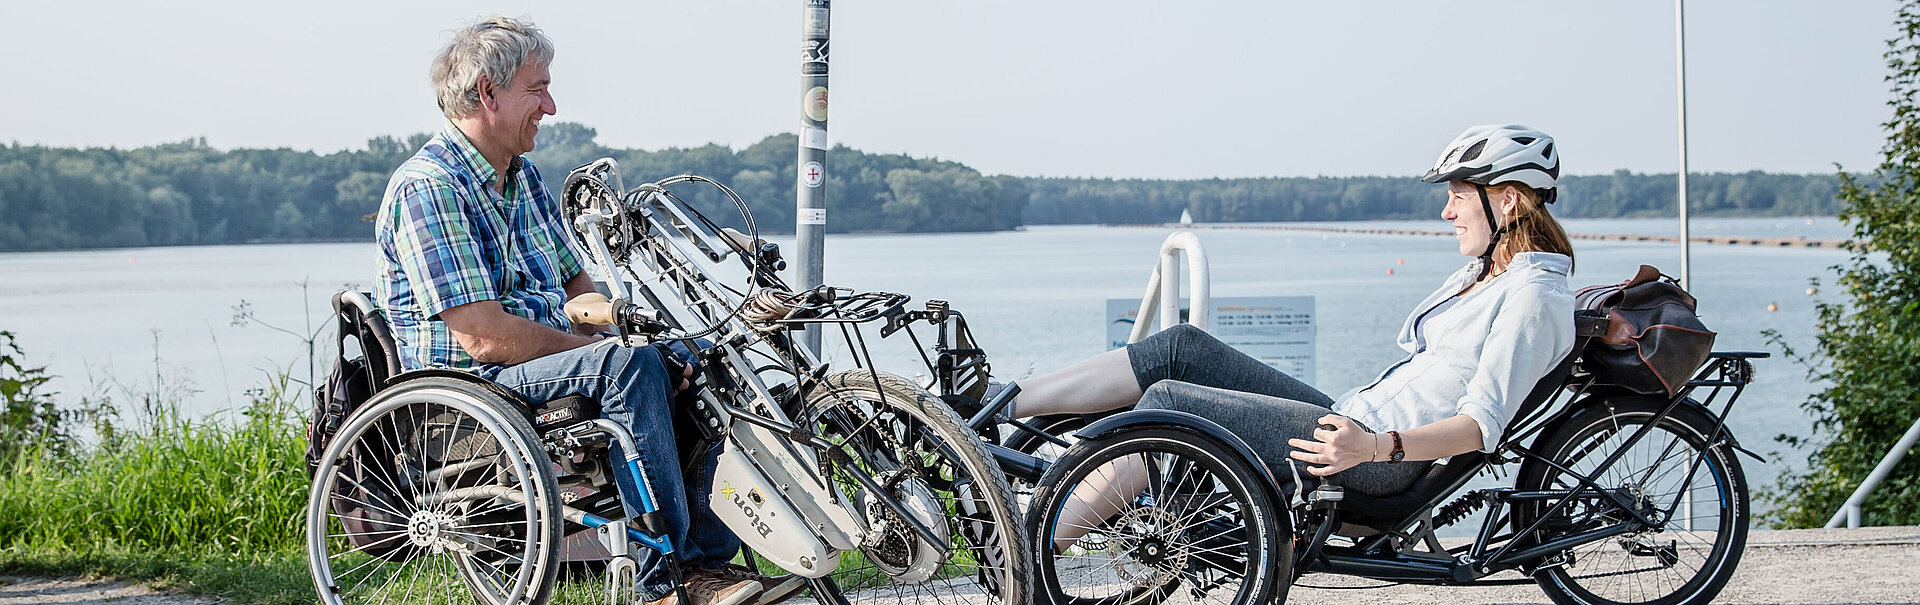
377	506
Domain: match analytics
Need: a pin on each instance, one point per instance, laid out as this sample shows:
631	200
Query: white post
1149	308
1162	298
1680	57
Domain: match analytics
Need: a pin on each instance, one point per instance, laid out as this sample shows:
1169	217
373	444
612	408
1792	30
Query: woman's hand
1339	449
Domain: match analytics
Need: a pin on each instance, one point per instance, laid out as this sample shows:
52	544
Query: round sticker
816	103
813	174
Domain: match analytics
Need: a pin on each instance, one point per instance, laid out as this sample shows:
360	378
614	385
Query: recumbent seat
1392	511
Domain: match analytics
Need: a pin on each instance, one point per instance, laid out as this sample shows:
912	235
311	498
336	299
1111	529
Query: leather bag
1654	342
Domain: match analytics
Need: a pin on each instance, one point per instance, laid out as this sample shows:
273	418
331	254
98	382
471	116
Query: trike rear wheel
1678	474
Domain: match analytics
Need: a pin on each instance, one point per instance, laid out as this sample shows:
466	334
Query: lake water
99	320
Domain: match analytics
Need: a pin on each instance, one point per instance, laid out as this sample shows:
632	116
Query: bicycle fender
1135	419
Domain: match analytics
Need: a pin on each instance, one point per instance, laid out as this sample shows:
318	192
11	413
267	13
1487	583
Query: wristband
1398	452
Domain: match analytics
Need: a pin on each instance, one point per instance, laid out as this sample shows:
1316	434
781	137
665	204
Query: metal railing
1163	288
1850	512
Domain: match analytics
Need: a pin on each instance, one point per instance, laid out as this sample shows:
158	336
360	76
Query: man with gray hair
474	269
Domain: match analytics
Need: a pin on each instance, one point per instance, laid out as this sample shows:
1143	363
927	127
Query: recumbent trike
1620	496
860	481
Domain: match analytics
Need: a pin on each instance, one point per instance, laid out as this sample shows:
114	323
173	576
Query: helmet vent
1474	151
1548	154
1524	140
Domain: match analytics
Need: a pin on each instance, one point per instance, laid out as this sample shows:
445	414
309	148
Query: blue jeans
634	390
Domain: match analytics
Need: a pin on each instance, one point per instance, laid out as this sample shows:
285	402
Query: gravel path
1878	565
1803	566
21	591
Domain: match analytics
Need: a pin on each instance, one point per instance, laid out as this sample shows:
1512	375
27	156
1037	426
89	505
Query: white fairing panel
764	520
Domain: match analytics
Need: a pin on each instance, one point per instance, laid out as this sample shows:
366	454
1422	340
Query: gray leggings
1184	368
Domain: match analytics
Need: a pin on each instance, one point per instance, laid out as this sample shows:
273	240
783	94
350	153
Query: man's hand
686	379
576	285
1335	450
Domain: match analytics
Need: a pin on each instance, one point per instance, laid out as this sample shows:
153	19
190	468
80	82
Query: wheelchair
441	486
1619	497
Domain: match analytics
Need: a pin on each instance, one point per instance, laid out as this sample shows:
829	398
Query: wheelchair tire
1690	556
473	495
1147	552
892	428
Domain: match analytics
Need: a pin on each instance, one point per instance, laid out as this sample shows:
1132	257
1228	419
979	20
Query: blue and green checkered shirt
446	239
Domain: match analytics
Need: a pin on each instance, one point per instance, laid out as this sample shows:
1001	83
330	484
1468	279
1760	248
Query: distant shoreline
1829	243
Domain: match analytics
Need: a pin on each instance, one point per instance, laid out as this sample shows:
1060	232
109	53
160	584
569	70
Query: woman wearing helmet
1476	346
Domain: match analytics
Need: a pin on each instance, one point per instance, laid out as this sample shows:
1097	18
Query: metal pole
810	201
1680	56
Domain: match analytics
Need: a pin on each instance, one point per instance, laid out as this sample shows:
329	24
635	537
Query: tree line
1617	195
189	193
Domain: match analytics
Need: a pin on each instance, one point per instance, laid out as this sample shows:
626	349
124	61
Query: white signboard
1277	330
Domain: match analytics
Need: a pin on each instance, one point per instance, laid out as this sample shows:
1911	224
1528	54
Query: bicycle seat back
1393	511
356	317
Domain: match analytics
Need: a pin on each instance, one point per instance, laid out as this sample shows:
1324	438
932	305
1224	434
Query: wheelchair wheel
904	437
1702	507
433	482
1202	530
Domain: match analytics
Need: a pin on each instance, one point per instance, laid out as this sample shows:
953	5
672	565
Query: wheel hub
1155	549
893	546
429	529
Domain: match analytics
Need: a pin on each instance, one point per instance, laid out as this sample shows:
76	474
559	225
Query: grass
212	506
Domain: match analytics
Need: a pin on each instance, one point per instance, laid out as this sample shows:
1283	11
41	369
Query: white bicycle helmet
1492	154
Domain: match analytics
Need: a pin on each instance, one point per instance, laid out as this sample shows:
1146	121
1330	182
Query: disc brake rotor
1155	551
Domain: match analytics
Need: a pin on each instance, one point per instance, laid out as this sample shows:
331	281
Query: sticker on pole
812	174
816	22
813	58
814	138
815	104
813	216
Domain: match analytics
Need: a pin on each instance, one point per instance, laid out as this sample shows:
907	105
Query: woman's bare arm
1347	445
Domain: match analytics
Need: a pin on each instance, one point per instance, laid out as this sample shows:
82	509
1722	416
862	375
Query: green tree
1869	344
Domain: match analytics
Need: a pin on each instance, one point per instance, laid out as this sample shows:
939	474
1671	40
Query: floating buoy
1389	271
1400	261
1809	291
133	261
1771	307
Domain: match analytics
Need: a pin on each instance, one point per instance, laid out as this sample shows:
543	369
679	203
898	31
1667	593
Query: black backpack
363	500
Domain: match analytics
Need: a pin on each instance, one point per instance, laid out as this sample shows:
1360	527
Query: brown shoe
773	589
709	587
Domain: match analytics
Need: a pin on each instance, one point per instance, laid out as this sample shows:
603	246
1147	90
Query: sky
1119	88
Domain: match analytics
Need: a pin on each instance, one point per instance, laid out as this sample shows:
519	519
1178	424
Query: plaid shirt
447	239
